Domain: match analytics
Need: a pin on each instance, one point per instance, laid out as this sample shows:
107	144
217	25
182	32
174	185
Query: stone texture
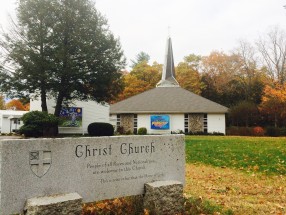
196	123
96	168
58	204
164	197
127	122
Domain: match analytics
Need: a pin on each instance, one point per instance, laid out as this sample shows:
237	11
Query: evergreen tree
63	48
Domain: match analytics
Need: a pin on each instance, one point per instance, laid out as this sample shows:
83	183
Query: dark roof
167	100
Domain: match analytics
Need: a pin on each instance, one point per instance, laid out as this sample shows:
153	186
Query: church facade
168	108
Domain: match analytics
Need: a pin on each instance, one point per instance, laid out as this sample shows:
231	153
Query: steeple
168	76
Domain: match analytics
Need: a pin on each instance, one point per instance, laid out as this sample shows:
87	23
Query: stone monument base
58	204
164	197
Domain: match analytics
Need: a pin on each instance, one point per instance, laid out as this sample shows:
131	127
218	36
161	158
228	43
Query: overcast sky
196	26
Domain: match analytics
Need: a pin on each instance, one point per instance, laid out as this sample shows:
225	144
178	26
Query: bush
37	124
197	133
120	130
272	131
142	131
239	131
283	131
100	129
258	131
217	133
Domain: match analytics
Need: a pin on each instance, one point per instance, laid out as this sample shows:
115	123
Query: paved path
10	137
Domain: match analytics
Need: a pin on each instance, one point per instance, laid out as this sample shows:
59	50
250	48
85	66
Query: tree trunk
44	100
275	120
59	104
42	69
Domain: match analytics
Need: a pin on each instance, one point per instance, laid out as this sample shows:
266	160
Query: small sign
161	122
71	117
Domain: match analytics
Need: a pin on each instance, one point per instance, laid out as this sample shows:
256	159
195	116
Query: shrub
283	131
197	133
245	131
120	130
232	131
37	124
258	131
100	129
128	132
239	131
217	133
142	131
272	131
178	131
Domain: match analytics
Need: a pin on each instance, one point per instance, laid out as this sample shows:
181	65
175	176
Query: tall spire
168	76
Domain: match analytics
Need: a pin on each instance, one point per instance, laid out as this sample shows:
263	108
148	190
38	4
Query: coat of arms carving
40	162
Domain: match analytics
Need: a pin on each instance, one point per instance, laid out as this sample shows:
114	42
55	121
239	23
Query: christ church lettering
130	148
85	151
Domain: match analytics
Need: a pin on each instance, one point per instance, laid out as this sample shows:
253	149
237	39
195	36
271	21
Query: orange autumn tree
16	104
187	74
142	77
274	103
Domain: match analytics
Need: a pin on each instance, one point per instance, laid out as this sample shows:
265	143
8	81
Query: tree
251	79
147	73
231	78
245	113
141	57
193	61
15	104
2	103
69	53
273	104
143	77
273	51
219	77
187	74
28	47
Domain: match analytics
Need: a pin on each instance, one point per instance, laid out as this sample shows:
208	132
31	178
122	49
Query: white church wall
216	123
113	120
92	112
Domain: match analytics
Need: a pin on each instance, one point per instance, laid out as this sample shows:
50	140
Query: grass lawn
245	175
258	154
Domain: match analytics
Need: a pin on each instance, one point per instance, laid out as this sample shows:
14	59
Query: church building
168	108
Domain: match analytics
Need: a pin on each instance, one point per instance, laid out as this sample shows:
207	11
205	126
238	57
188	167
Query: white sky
197	26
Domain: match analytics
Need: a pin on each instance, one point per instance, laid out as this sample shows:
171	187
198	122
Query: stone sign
95	168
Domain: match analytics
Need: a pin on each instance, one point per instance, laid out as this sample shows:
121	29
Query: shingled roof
168	96
167	100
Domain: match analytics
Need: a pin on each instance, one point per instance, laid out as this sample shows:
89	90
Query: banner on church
71	117
160	122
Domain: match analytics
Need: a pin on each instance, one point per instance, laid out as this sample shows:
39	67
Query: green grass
261	154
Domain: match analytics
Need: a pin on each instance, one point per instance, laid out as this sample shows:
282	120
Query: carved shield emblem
40	162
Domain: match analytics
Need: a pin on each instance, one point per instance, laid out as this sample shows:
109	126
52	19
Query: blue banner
161	122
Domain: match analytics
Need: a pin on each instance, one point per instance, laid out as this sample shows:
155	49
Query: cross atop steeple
168	76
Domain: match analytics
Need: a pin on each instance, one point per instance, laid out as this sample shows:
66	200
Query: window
17	121
135	123
118	120
205	123
186	120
